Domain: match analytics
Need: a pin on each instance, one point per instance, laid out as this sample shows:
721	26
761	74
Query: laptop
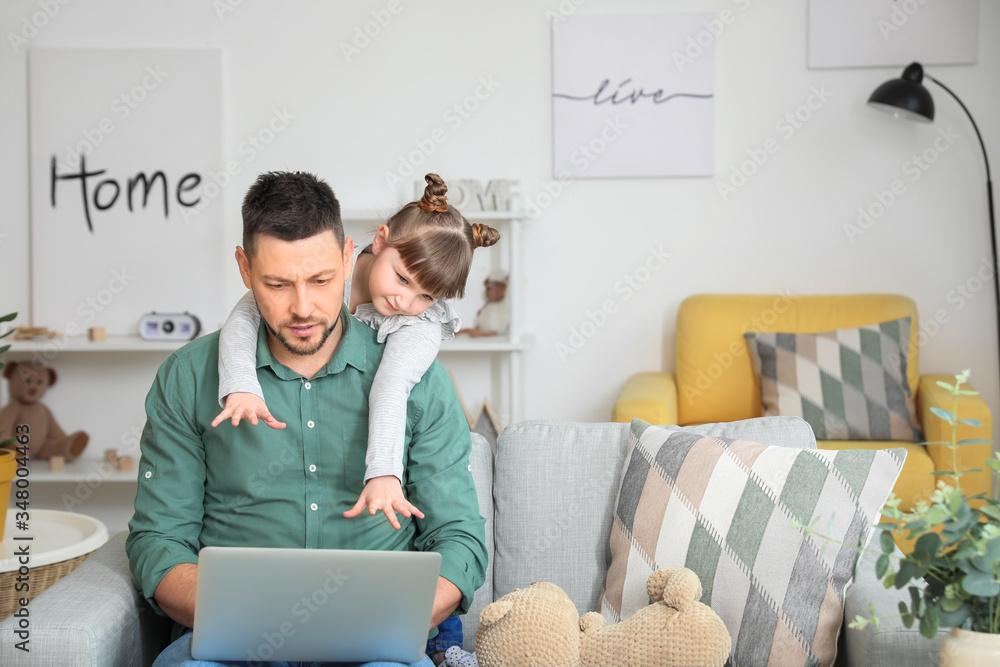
260	604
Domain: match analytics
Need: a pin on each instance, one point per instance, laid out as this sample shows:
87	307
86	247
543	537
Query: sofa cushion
916	481
715	378
849	384
732	511
554	490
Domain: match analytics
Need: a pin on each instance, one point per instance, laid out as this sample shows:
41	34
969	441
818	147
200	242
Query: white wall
783	230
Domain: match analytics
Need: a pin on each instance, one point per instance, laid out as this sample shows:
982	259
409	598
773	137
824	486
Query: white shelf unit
101	389
86	470
80	344
503	353
102	361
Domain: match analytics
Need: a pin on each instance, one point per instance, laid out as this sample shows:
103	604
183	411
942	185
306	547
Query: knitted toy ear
9	368
591	622
494	611
678	587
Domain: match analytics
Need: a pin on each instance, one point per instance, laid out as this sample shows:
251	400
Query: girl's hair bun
434	199
484	235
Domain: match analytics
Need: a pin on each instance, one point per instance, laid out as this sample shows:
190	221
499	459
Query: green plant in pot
952	569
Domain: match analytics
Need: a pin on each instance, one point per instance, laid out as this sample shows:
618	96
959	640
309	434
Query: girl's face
392	288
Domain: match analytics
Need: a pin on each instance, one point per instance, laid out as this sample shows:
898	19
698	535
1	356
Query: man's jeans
178	654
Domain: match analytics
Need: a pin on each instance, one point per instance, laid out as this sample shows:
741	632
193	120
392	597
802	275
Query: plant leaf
929	622
974	441
971	422
907	568
886	542
981	584
945	385
946	415
881	565
8	317
926	547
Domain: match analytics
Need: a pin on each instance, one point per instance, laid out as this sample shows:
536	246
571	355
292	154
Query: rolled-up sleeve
169	504
439	482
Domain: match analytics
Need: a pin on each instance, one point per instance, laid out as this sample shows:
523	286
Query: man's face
299	287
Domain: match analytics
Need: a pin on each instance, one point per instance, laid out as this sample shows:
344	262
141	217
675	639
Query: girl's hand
384	493
240	405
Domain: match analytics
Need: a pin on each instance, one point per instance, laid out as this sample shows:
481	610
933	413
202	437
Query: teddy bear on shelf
539	626
493	319
28	382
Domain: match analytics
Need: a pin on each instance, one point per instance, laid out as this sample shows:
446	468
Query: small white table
56	536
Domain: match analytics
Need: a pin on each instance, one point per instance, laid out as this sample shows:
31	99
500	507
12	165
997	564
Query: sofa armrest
893	645
652	397
937	430
93	616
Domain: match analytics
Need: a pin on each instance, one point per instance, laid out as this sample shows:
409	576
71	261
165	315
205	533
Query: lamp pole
908	96
989	199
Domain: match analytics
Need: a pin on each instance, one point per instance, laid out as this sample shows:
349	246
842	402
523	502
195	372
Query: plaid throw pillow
724	508
849	384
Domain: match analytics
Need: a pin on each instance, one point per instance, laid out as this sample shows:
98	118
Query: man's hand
384	493
446	600
176	592
241	405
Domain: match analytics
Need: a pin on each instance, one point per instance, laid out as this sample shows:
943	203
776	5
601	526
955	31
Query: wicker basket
41	578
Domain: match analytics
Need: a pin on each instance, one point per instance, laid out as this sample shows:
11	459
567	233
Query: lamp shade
905	96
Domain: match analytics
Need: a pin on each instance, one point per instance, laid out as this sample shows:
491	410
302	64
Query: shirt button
308	385
148	474
314	507
310	423
312	468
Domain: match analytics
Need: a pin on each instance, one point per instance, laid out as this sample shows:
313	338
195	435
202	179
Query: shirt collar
351	350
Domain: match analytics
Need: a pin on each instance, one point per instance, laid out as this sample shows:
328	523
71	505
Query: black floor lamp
907	97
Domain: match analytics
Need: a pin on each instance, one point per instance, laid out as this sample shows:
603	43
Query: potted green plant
952	569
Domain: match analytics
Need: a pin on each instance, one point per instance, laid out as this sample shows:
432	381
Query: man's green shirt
255	486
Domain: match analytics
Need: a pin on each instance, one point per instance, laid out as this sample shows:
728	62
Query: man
247	486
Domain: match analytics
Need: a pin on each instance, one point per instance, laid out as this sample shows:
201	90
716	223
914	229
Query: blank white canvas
886	33
125	111
655	115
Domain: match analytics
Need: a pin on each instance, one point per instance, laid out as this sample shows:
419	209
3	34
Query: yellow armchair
714	379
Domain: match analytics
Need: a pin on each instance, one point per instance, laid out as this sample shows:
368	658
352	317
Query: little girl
421	256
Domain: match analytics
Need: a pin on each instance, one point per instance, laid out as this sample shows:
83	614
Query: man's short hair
289	206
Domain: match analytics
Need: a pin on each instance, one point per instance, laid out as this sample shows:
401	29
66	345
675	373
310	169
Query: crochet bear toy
539	626
28	382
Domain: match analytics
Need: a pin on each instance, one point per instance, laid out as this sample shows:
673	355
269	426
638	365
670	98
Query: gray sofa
547	497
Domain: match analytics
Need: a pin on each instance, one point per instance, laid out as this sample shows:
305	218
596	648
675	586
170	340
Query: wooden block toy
125	463
97	334
111	456
23	333
57	463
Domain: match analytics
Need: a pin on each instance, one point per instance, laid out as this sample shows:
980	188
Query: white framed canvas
892	33
125	215
633	95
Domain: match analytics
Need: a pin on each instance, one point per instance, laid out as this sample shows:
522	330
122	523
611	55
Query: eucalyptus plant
952	570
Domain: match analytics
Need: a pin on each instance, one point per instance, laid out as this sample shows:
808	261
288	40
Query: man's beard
305	352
